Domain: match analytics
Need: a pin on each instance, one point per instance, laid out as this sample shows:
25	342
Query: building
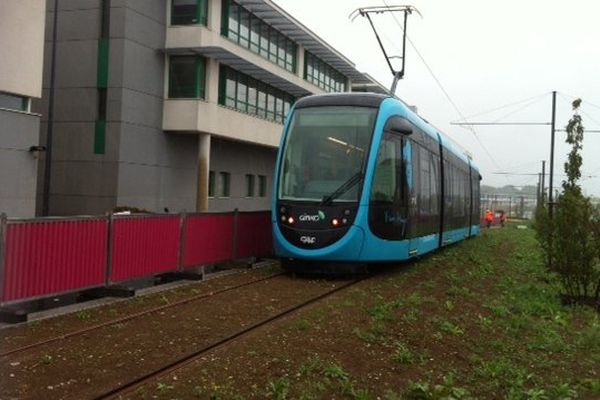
178	104
22	49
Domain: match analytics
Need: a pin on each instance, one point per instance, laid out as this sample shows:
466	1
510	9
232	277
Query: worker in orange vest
489	218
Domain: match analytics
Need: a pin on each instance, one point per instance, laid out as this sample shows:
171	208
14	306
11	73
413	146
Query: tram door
388	206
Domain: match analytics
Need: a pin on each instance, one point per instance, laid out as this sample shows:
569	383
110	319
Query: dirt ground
475	320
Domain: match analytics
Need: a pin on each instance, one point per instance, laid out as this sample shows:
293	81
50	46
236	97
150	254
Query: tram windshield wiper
344	187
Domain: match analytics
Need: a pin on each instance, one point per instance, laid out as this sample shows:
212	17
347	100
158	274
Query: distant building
178	105
22	50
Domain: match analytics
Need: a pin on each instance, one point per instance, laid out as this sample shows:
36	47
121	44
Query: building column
212	81
203	171
300	60
214	16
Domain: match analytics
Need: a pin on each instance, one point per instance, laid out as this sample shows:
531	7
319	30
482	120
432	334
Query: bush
570	238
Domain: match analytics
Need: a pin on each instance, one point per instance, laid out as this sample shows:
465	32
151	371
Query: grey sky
486	54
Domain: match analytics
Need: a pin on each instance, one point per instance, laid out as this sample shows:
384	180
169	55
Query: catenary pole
553	131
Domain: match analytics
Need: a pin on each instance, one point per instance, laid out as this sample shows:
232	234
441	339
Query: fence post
182	226
109	250
234	251
3	230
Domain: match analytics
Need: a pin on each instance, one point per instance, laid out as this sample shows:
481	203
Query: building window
249	185
14	102
239	91
262	186
211	183
189	12
249	31
323	75
225	183
187	75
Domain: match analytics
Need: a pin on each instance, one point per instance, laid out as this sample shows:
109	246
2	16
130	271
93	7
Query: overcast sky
486	54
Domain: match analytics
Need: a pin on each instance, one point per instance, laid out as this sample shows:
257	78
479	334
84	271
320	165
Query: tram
360	178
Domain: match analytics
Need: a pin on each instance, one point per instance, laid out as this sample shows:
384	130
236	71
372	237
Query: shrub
570	238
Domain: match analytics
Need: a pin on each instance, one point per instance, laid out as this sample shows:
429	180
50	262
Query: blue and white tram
360	178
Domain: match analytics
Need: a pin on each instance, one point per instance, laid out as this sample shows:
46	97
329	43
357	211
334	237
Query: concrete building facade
22	49
177	104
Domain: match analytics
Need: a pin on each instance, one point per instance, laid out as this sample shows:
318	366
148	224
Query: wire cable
527	105
533	98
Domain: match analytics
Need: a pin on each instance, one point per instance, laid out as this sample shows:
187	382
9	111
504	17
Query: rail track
132	385
136	315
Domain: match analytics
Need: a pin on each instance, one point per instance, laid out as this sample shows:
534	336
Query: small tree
571	239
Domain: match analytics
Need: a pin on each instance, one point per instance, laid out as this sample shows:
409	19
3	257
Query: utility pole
522	207
551	188
539	190
543	181
50	129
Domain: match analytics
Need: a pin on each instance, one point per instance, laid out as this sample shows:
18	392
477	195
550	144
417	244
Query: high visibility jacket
489	216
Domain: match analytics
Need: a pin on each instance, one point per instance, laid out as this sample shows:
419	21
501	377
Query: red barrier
143	246
44	258
208	239
254	234
47	257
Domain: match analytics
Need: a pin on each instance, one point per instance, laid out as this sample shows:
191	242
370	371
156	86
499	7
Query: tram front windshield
325	153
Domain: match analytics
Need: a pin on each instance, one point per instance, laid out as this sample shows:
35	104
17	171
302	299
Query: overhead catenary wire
524	107
533	99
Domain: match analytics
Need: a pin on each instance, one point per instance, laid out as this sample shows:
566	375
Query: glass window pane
200	77
252	99
13	102
182	77
234	21
249	185
286	108
225	184
242	95
211	184
325	147
184	12
262	185
262	104
270	107
273	46
244	27
255	34
264	40
230	89
279	110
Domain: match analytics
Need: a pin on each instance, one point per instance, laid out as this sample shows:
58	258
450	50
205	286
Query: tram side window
434	167
387	213
459	193
467	195
384	179
425	186
448	194
475	197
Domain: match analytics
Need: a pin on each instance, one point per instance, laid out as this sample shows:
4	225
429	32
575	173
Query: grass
484	320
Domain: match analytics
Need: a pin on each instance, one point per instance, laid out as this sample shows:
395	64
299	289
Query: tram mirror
399	125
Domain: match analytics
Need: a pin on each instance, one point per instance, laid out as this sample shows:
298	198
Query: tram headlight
335	222
291	220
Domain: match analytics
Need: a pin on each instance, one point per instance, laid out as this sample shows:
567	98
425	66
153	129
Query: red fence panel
50	257
208	239
254	234
143	246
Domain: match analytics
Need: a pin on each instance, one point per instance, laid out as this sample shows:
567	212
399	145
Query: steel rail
136	315
190	358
